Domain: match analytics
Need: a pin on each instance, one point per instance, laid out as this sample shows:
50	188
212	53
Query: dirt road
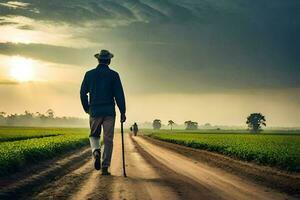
153	172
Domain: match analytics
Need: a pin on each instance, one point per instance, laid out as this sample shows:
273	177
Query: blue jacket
104	88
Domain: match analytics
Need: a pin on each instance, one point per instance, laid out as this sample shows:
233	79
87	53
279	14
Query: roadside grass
20	146
224	131
11	138
281	150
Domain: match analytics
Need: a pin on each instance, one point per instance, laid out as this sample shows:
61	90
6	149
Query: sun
21	69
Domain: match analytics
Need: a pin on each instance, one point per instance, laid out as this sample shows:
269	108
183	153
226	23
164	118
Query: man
104	88
135	128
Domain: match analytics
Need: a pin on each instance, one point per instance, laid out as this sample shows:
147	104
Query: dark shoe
105	171
97	156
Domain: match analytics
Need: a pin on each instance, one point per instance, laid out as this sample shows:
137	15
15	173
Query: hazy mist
207	61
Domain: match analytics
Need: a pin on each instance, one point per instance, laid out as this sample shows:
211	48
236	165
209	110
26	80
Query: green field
20	146
273	148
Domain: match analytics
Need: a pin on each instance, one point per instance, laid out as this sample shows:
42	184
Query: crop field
271	148
19	133
20	146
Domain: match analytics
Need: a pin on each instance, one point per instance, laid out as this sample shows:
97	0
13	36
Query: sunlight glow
21	69
38	32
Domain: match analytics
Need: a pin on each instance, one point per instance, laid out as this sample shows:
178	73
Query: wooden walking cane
123	155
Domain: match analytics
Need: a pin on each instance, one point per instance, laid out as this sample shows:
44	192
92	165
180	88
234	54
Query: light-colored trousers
108	124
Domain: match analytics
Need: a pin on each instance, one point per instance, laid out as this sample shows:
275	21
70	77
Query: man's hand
123	118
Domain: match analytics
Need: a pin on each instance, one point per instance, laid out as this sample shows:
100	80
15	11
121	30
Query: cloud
8	82
15	4
205	45
77	11
50	53
26	27
131	11
7	23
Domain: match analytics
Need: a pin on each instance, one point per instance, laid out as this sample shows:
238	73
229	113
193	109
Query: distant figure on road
135	129
100	89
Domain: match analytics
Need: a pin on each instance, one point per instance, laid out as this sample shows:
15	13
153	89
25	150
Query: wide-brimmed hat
104	54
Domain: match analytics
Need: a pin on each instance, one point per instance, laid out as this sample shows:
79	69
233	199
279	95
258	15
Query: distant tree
156	124
190	125
2	117
11	119
187	124
41	115
2	114
255	121
207	125
38	119
50	113
171	123
28	114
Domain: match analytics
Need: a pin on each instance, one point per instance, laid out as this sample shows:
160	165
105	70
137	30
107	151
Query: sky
210	61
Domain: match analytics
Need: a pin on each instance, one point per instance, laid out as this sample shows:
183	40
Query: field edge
284	181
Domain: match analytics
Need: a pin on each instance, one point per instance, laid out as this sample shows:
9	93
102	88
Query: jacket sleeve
119	94
84	90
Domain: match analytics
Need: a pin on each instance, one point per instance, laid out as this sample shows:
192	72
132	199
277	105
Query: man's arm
120	97
83	95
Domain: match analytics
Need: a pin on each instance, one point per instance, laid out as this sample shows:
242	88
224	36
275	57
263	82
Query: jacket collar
102	66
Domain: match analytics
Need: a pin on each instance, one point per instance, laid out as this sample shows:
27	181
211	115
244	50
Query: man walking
100	89
135	129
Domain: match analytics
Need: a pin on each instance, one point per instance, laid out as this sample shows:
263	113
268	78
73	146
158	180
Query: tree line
47	118
189	125
255	121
